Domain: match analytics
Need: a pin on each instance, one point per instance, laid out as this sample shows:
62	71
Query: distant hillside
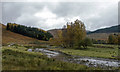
103	34
97	36
100	34
11	37
113	29
54	32
29	31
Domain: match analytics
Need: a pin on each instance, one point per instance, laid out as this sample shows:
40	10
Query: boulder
30	50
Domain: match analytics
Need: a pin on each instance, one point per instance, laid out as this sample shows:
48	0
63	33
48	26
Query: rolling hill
54	32
103	34
100	34
11	37
112	29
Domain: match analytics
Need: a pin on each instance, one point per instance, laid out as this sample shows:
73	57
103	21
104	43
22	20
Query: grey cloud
11	11
91	13
119	13
107	16
74	9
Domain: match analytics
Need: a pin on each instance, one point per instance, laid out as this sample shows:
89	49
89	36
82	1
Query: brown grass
11	37
99	36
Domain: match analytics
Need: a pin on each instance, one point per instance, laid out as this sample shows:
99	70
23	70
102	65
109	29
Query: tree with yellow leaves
73	35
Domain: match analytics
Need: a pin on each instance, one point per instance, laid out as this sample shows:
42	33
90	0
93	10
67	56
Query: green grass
17	58
106	46
93	51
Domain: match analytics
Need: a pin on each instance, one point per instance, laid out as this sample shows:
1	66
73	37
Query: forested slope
29	31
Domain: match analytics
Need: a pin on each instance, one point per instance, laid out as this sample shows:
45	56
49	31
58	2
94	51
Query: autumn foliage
74	35
114	39
29	31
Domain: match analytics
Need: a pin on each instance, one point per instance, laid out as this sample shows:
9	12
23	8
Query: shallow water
96	61
89	61
47	52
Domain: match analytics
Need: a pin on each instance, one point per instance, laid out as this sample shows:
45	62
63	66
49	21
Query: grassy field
17	58
98	50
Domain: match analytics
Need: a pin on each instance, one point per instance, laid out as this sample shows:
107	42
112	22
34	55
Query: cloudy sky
51	15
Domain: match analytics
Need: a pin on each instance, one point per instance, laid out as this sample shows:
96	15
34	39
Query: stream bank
88	61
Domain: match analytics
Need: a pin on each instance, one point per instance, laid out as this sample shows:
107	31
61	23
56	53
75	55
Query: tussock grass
19	59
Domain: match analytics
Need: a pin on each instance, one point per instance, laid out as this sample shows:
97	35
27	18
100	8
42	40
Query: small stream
88	61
